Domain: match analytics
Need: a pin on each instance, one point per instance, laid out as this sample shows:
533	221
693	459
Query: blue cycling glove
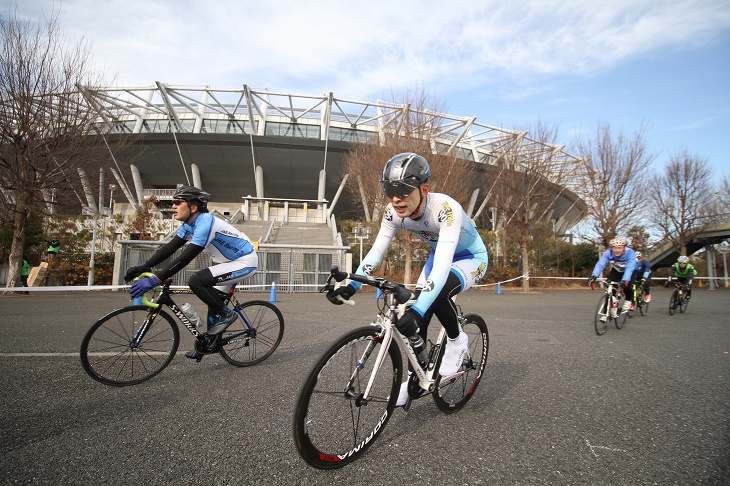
143	285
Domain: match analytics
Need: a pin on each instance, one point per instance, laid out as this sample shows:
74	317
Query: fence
294	268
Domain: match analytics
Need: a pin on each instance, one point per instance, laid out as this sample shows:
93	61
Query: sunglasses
177	202
399	189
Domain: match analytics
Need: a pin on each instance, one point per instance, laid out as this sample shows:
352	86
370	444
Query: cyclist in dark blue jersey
642	272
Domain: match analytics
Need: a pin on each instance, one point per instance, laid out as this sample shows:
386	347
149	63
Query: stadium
274	161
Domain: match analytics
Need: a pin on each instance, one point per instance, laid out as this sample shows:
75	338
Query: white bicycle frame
425	377
611	287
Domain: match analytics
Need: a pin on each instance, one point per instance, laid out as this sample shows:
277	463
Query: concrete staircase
303	234
289	234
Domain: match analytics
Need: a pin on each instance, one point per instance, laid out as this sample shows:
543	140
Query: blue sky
573	63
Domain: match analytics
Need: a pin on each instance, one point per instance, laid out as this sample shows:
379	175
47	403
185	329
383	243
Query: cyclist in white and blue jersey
233	255
458	257
624	263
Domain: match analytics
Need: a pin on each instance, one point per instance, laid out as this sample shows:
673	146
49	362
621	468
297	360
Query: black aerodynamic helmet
193	194
403	173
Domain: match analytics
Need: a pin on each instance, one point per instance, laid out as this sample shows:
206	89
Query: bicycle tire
644	307
603	309
683	304
620	320
245	349
452	394
332	425
108	356
673	302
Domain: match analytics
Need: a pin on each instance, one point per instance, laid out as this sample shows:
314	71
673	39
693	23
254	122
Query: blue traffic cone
272	295
378	294
499	288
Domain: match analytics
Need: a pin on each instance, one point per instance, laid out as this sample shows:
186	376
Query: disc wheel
333	423
109	355
452	393
247	346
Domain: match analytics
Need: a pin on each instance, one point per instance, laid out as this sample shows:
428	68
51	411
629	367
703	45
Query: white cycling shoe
403	395
454	353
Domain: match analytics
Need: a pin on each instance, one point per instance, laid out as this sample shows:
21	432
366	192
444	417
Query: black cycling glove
409	323
346	291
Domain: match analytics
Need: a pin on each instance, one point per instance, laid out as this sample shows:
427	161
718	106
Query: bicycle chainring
207	344
414	389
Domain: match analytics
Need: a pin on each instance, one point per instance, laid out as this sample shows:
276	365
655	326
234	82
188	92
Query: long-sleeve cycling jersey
625	262
644	267
446	228
208	234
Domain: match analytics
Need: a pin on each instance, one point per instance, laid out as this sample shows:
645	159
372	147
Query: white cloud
368	47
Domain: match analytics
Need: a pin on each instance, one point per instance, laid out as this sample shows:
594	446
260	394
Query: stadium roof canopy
218	138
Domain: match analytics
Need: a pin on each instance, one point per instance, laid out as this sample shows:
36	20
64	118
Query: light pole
724	250
107	212
89	211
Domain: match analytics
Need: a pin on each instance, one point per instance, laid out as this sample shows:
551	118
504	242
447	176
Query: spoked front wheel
247	346
673	302
643	307
334	423
683	304
452	393
602	314
109	353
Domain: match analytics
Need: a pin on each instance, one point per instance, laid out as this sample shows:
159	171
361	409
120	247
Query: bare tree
724	199
530	176
415	132
47	131
684	199
638	237
617	190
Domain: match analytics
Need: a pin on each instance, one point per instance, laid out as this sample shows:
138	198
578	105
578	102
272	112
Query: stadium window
295	130
187	125
350	135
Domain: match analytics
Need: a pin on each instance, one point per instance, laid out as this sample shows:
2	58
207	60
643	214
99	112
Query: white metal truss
185	109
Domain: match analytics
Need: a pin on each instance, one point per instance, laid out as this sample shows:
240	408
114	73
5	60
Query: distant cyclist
683	272
458	257
642	272
624	262
232	252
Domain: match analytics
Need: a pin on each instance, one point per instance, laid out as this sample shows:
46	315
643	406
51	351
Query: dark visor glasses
400	189
177	202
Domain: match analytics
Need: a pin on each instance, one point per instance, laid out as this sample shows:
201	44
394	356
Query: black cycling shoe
222	322
194	354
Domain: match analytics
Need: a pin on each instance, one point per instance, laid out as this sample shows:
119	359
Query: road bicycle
350	394
640	304
679	299
131	345
609	306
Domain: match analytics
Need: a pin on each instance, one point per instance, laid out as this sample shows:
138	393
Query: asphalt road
647	404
